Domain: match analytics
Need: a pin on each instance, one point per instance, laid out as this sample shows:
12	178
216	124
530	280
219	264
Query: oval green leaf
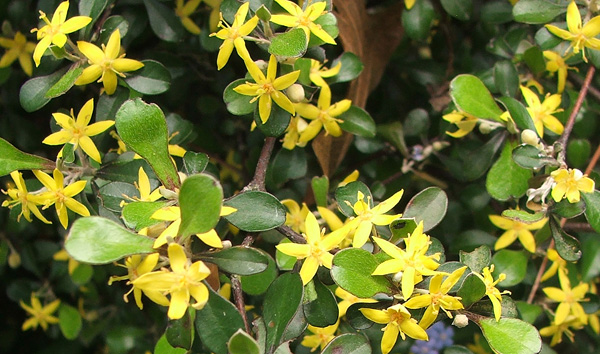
257	284
165	24
536	12
242	343
352	269
346	196
511	263
528	156
236	103
511	336
592	209
200	200
291	44
418	20
256	211
65	83
507	180
506	78
348	343
238	260
429	206
69	321
137	215
567	246
358	122
459	9
33	92
13	159
152	79
471	96
282	300
518	112
320	307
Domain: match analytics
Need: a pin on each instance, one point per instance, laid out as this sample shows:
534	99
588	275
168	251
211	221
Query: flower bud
460	321
226	244
529	137
295	93
262	65
14	260
485	128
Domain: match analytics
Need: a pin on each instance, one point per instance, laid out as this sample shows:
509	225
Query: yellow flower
568	183
61	196
316	251
78	131
348	300
541	113
491	291
138	265
143	186
318	72
233	36
409	4
556	64
579	36
353	176
464	122
304	19
268	88
556	330
20	195
398	321
295	216
292	133
437	298
183	11
184	280
321	336
323	115
412	262
40	315
516	229
558	264
18	48
106	63
569	299
55	31
215	14
367	217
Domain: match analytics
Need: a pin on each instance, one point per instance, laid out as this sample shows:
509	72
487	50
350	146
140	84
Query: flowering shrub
276	176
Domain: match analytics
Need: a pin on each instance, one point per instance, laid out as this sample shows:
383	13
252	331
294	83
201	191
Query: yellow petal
123	65
309	269
89	147
295	250
377	316
92	52
177	258
179	304
77	207
75	23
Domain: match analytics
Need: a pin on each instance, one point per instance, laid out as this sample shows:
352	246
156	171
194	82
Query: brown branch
258	182
593	161
238	297
291	234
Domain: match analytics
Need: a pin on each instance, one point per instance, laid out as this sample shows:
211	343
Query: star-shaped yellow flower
348	300
40	315
106	63
315	251
542	112
78	131
463	121
296	215
318	72
320	337
184	10
580	36
555	63
267	89
17	48
182	281
568	183
61	196
556	330
324	114
568	299
516	229
558	264
491	291
20	195
55	31
233	36
304	19
398	321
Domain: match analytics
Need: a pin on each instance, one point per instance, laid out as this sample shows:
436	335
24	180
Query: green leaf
578	153
568	210
534	58
429	206
471	290
506	78
114	193
143	128
257	284
351	68
112	24
107	106
529	312
401	228
65	83
137	215
152	79
523	216
195	162
319	304
238	260
288	164
242	343
93	9
97	240
180	332
478	259
511	336
328	23
507	180
33	92
200	200
236	103
567	246
352	269
528	156
518	113
472	162
394	133
69	321
278	121
471	96
348	343
590	261
163	347
416	122
537	12
291	44
216	322
511	263
320	187
165	24
13	159
496	12
592	208
346	196
282	300
358	122
459	9
418	20
256	211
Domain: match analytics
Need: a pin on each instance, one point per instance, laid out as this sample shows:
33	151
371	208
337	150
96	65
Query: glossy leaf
194	162
473	162
528	156
350	70
506	78
402	227
471	96
348	343
459	9
592	210
13	159
346	196
472	290
352	269
257	284
69	321
114	193
92	8
319	304
288	164
97	240
518	112
282	300
132	122
523	216
511	263
163	347
291	44
200	201
238	260
529	312
501	336
578	153
137	215
536	11
180	332
110	25
242	343
568	210
256	211
478	259
65	83
33	92
163	21
429	206
418	20
152	79
507	180
236	103
278	121
216	322
358	122
534	58
320	186
567	246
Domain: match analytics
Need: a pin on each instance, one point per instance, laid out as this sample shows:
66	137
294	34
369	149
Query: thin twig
593	161
258	182
291	234
238	296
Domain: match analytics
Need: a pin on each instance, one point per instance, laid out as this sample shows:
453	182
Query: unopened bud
397	278
14	260
485	128
460	321
439	145
529	137
167	193
295	93
262	65
226	244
